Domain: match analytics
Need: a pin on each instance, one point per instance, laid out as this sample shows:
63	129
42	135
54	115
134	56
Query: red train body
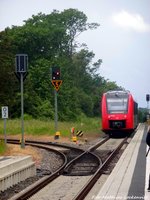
119	112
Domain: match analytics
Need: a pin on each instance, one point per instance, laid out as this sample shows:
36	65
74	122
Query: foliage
142	114
51	40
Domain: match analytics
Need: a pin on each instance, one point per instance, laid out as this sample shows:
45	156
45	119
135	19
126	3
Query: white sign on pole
5	112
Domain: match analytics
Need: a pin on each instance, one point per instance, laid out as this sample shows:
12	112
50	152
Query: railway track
28	192
73	152
87	187
84	164
46	176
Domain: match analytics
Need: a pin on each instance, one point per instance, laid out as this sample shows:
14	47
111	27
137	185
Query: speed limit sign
5	112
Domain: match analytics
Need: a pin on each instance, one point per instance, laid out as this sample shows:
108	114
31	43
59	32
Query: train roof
118	92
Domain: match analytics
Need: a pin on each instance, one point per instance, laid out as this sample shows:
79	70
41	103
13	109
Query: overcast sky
122	41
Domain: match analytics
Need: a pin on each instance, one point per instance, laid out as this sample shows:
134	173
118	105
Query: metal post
149	183
22	113
5	131
148	112
56	111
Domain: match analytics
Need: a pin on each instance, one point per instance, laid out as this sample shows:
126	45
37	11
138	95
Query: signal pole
56	82
147	99
56	111
22	113
5	116
21	73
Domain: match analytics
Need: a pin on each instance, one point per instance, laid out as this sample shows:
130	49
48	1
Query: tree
51	40
75	23
7	77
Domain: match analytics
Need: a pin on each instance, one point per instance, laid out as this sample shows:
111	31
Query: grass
47	127
2	147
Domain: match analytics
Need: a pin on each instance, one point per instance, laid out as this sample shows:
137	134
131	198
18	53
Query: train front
117	111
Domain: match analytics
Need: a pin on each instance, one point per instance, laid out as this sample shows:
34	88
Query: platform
14	169
129	178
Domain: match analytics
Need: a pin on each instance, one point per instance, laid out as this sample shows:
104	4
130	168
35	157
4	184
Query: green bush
27	117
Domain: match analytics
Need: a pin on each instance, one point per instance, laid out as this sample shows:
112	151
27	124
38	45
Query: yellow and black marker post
57	135
79	133
74	137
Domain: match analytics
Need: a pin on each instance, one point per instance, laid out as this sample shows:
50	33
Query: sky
122	40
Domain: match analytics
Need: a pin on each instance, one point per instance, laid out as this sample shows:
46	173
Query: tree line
51	40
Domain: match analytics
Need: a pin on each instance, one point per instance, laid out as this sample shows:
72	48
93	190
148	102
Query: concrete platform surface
128	180
14	169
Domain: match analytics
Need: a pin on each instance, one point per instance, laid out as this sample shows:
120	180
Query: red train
119	112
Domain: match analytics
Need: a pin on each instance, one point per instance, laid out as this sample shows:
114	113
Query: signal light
147	97
21	63
55	73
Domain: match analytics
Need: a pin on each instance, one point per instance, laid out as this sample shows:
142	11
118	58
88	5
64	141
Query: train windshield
117	103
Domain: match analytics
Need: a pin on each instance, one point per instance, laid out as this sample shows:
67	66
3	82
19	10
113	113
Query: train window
135	108
117	104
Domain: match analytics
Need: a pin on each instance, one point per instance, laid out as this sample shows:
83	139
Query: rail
86	188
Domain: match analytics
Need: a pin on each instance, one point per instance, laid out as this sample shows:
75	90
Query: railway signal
56	82
147	97
21	67
21	62
56	78
55	73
